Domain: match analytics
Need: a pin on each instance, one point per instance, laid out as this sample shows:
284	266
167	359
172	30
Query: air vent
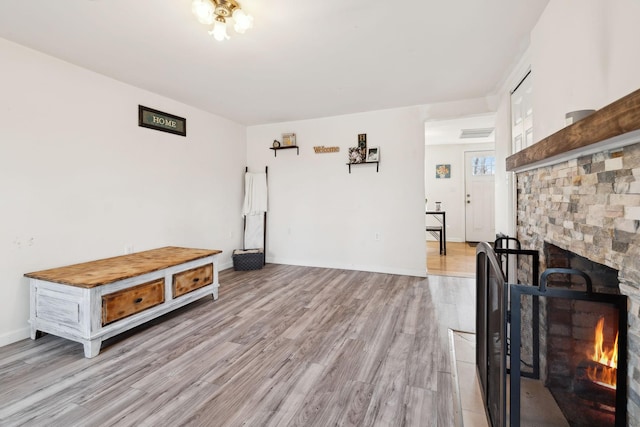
476	133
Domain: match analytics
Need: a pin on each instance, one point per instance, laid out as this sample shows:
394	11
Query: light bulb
203	9
219	31
243	21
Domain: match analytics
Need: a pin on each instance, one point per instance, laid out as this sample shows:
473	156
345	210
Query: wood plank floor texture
460	259
283	346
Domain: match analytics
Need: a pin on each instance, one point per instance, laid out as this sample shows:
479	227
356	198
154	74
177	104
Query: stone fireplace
588	203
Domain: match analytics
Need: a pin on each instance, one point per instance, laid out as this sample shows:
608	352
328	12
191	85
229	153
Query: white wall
505	201
80	180
621	48
583	57
320	215
457	109
451	192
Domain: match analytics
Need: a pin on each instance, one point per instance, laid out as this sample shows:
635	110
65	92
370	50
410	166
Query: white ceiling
302	59
448	131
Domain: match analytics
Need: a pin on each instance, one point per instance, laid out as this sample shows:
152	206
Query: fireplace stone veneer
590	206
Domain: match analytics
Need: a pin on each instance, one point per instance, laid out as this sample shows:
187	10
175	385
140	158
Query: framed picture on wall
373	154
443	171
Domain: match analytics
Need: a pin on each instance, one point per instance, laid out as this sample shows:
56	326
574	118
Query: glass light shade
219	31
243	21
204	11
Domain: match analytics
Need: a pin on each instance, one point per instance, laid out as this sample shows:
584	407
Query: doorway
480	170
446	142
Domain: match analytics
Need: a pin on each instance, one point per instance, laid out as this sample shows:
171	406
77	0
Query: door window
485	165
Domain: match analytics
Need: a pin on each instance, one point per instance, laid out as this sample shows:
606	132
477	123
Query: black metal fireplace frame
492	316
502	249
618	301
491	313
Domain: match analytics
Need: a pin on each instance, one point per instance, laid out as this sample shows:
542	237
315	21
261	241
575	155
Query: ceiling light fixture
217	12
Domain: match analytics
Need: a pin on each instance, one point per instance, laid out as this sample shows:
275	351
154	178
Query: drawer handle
196	279
137	300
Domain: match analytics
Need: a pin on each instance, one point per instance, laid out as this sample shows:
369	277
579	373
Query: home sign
158	120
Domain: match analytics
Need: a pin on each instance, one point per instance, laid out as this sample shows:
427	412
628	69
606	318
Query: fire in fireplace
596	377
604	372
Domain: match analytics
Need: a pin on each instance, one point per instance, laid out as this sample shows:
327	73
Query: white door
480	167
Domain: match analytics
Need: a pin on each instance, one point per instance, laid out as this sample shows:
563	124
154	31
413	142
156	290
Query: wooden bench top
104	271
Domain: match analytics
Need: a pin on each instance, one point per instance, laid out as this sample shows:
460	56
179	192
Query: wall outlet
376	236
128	249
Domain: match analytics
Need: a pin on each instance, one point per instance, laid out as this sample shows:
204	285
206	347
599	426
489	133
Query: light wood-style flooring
460	259
283	346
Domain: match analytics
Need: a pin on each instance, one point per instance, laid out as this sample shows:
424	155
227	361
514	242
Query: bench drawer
191	280
126	302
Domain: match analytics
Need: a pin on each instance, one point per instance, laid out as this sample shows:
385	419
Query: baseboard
14	336
373	269
225	266
449	239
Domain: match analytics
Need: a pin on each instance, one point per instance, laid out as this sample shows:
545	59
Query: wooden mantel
617	118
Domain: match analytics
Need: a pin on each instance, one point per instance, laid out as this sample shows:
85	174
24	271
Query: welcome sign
158	120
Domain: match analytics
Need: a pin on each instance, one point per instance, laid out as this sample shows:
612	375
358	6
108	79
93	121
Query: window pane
483	166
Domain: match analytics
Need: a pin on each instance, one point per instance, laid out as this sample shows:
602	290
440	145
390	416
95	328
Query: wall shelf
365	163
275	149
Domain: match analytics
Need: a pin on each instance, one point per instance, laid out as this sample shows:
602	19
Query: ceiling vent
476	133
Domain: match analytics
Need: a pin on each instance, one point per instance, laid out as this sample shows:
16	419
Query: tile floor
539	409
468	388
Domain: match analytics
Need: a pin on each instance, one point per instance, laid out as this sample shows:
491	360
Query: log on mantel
615	119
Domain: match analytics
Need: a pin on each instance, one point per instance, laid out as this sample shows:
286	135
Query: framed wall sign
158	120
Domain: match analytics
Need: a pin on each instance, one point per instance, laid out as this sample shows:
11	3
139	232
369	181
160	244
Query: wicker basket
248	259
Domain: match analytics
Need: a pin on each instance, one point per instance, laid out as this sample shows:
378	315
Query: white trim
14	336
225	266
369	268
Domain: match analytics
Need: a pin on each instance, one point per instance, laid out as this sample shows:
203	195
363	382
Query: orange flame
608	358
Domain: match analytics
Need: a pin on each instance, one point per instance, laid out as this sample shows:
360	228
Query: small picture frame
443	171
356	155
288	139
373	154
